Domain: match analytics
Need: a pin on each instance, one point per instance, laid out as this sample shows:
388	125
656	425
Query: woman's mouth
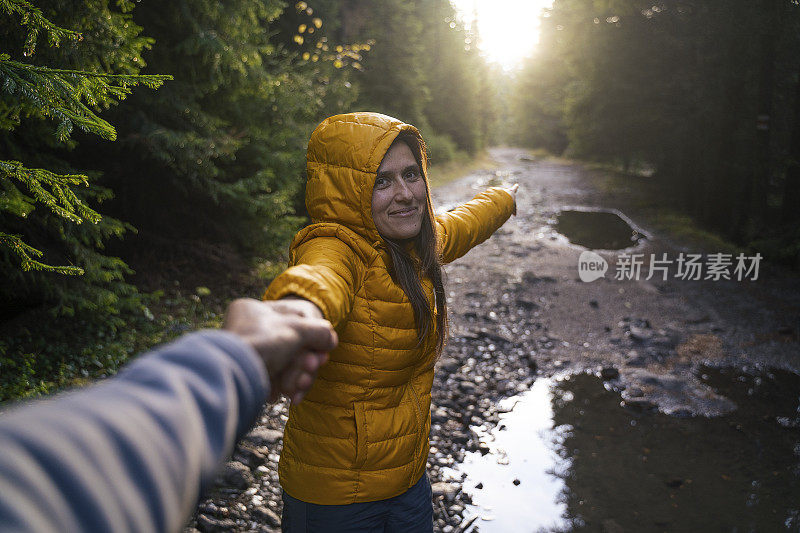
403	212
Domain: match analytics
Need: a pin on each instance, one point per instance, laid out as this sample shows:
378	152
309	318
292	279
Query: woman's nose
403	191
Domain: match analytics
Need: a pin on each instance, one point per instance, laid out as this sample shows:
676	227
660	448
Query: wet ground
617	404
570	457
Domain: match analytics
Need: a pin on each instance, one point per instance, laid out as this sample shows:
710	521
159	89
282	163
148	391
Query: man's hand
292	345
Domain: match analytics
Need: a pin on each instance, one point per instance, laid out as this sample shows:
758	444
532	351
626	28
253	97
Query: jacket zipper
420	422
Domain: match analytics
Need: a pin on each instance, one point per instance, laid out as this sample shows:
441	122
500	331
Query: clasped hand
292	339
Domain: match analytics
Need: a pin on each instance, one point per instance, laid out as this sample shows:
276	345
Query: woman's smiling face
399	197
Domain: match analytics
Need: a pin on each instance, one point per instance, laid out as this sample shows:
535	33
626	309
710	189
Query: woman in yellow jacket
355	449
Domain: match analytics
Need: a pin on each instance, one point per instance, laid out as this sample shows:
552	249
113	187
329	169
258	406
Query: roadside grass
40	355
683	228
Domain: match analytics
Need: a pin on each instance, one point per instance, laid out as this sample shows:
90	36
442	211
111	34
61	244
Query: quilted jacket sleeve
472	223
323	270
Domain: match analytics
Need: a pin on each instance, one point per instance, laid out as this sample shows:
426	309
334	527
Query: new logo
591	266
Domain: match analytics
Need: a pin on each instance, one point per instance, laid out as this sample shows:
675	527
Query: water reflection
524	451
586	464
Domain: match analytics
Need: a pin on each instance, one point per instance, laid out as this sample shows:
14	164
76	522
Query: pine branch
54	191
68	96
24	252
31	16
51	189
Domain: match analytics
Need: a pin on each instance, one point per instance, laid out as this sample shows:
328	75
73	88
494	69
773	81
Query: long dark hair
409	271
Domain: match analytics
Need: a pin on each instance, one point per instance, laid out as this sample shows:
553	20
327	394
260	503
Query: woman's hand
513	192
295	305
293	345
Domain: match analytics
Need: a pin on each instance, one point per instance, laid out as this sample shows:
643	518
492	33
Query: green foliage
453	72
441	148
423	68
41	356
66	95
32	17
52	190
25	254
218	154
69	96
393	78
25	372
48	209
538	97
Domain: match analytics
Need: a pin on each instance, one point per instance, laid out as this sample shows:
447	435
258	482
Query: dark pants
410	512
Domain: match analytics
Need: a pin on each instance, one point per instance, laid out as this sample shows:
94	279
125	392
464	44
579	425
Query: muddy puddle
598	230
568	456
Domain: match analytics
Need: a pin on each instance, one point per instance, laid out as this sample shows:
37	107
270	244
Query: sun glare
508	29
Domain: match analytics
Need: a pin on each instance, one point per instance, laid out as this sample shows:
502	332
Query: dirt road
523	284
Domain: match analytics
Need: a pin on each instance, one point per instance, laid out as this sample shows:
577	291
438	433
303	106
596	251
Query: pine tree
70	98
423	68
210	168
452	69
690	89
49	215
393	80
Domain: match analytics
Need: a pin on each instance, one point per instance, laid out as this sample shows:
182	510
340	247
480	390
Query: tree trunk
791	190
754	201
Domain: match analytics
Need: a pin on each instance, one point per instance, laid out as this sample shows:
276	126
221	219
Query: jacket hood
344	154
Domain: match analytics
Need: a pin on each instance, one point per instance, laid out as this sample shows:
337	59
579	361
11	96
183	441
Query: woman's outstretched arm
471	223
326	272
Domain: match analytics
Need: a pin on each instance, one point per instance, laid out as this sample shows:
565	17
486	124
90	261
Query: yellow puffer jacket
361	433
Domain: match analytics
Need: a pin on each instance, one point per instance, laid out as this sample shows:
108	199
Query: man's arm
134	452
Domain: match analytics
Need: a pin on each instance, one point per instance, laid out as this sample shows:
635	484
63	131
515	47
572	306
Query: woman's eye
411	175
381	183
